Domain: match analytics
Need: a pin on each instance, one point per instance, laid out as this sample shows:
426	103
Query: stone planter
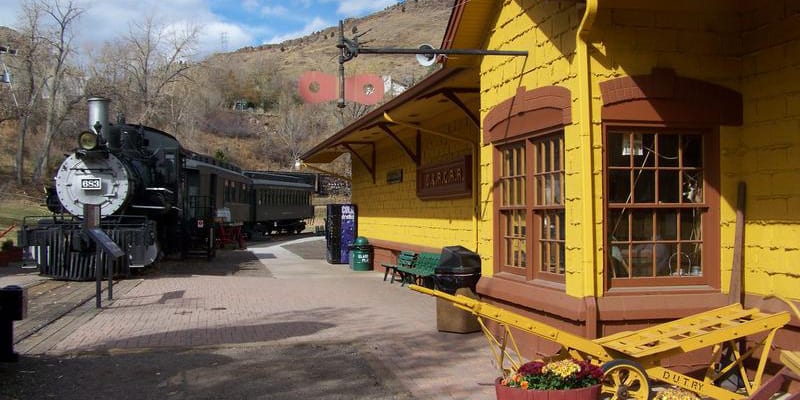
509	393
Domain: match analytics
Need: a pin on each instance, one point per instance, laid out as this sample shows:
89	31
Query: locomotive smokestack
98	118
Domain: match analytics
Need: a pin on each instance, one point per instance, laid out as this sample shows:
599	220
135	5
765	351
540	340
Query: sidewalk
285	303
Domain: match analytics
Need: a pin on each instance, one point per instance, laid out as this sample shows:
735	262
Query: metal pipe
474	52
588	256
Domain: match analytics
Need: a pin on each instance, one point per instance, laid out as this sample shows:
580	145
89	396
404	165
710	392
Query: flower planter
11	255
512	393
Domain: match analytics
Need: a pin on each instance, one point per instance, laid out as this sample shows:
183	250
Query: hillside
407	25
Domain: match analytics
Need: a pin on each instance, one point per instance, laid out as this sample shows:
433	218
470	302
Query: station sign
450	180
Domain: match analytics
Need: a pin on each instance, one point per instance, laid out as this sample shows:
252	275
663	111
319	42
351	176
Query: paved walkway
288	300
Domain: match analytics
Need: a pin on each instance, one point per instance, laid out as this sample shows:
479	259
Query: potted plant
562	379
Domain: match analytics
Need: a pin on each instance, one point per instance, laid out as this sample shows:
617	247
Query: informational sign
104	242
394	176
449	180
91	184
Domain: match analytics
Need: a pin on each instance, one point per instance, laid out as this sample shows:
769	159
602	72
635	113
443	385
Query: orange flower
524	385
516	378
504	382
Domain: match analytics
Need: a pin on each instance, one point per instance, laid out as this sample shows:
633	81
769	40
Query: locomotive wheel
625	379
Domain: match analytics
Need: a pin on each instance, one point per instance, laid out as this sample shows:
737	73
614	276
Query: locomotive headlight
87	140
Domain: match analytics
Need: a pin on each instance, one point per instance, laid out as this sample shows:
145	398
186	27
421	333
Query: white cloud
361	7
277	11
250	5
106	21
315	24
211	37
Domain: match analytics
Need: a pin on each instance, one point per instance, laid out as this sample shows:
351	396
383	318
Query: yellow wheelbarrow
629	358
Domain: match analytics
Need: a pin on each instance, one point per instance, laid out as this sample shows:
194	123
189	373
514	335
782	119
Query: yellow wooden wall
393	212
546	29
750	49
766	152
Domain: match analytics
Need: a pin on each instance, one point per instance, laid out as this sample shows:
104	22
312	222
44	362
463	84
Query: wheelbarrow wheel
625	379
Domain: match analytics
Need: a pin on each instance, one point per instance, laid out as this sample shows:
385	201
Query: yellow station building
599	176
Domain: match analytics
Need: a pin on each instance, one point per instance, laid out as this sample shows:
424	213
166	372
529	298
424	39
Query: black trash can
361	255
13	307
458	272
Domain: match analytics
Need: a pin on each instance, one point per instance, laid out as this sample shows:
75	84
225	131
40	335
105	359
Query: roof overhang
448	93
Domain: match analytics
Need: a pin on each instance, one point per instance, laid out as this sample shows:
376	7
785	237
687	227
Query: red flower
531	368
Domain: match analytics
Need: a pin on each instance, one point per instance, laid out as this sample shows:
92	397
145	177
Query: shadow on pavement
302	371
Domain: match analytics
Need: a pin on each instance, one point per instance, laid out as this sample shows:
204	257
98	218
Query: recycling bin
361	255
458	272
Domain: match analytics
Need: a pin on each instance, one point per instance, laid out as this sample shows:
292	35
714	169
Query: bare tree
297	125
33	80
158	56
61	90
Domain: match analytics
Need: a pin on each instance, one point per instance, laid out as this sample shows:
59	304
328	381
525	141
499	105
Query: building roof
447	93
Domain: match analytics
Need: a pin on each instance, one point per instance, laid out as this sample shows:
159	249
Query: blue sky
241	22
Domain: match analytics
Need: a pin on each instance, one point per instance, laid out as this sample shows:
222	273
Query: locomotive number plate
91	184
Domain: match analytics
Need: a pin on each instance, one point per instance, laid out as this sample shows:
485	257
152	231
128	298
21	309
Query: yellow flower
676	394
524	384
563	368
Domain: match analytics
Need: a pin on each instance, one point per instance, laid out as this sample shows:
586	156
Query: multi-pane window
513	214
655	206
531	194
548	203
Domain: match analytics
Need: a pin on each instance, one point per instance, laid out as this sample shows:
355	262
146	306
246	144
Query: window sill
539	295
654	290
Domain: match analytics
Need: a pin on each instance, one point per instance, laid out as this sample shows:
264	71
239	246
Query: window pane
695	258
557	189
642	225
692	150
644	186
561	223
690	225
667	260
617	156
618	224
668	187
667	228
548	157
619	186
618	261
668	150
643	150
642	260
693	187
555	253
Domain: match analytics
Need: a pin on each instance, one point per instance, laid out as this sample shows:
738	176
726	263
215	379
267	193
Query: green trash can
361	255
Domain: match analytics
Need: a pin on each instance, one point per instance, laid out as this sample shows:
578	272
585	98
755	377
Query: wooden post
735	294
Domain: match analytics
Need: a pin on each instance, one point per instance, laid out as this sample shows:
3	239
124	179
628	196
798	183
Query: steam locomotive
155	198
